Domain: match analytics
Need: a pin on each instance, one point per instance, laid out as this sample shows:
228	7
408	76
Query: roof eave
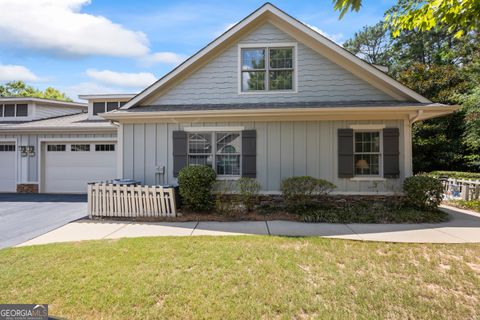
273	114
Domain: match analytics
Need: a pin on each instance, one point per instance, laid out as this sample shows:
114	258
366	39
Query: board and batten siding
319	79
27	167
284	149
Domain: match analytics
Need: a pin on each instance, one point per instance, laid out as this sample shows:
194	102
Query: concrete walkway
462	228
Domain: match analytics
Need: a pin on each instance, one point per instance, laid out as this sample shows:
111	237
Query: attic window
267	69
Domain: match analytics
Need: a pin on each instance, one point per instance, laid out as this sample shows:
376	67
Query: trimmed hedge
423	192
299	191
455	175
196	184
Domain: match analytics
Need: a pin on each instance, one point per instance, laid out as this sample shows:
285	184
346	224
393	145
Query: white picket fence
108	200
461	189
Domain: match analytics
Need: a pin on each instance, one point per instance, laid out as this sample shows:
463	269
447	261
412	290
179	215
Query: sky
119	46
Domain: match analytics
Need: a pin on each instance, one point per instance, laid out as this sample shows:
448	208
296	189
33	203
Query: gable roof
297	29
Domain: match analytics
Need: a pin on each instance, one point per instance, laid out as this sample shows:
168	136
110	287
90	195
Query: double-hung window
367	153
220	150
267	69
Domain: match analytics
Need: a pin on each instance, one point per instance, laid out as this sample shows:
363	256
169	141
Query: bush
226	203
248	189
423	192
195	184
455	175
298	192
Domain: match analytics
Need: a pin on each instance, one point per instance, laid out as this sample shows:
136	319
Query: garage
68	167
7	167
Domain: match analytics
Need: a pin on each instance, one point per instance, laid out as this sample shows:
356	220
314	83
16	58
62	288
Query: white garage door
7	167
68	167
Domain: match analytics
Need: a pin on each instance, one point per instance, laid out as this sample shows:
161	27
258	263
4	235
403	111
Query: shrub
226	203
455	175
423	192
195	184
248	189
298	192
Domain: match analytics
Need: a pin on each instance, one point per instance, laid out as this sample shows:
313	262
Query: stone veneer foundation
27	188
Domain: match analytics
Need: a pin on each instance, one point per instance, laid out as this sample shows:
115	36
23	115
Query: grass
471	204
249	277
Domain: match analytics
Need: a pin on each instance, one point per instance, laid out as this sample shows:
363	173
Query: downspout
416	117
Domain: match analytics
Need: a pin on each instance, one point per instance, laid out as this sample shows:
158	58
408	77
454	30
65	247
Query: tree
471	107
460	16
21	89
372	44
444	70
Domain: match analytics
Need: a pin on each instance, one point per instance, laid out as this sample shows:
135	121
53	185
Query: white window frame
214	152
267	47
380	153
15	115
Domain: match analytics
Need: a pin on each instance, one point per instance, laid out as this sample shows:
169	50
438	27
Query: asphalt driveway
27	216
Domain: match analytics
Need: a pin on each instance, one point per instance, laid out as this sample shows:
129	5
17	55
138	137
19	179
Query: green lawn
250	277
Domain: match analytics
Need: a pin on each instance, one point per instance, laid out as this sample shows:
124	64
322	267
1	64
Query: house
270	98
53	146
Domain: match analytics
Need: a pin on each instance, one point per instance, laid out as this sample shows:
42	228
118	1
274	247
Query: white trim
15	141
120	151
41	101
380	160
267	46
214	152
106	96
41	141
367	178
212	129
367	126
265	10
407	141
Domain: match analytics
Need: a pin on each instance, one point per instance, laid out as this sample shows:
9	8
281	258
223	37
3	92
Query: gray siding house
271	99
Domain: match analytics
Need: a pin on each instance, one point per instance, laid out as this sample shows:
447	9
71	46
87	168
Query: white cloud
122	79
10	72
59	26
337	37
164	57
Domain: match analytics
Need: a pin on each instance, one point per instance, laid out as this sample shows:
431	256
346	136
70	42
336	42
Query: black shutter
391	154
179	151
345	153
249	153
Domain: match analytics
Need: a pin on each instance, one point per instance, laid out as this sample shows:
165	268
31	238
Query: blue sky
106	46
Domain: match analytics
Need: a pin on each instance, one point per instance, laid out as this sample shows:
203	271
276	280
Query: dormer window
14	110
267	69
102	107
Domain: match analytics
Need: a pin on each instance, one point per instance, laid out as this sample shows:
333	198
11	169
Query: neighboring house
270	98
56	147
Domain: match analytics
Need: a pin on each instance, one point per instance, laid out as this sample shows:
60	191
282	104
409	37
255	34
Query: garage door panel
7	167
70	171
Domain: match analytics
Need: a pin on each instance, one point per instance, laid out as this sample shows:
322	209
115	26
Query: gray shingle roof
269	105
76	121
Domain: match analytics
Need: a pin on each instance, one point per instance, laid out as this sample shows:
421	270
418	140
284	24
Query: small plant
196	184
225	202
423	192
298	192
248	189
